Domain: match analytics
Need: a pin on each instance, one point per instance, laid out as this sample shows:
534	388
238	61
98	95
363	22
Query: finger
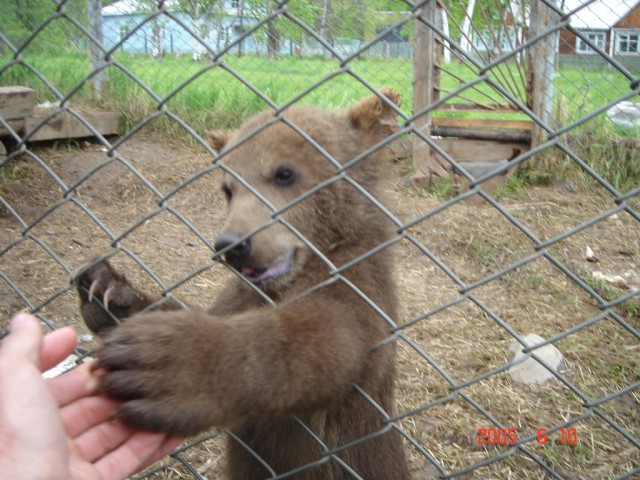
102	439
24	339
169	444
57	346
78	383
140	451
114	439
86	413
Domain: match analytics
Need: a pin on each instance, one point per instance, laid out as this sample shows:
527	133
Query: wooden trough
19	110
478	145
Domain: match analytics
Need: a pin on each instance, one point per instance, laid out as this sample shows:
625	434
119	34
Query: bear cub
291	357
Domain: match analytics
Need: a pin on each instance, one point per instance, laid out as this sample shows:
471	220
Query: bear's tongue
253	273
257	275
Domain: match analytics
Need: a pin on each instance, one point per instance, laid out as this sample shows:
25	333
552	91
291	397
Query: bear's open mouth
275	270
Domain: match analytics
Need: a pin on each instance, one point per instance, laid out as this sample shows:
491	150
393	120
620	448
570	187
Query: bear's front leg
106	297
162	365
183	372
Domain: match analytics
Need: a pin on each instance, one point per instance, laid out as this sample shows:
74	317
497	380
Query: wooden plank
16	125
478	158
422	83
482	123
424	80
463	150
482	134
541	65
473	107
16	102
480	150
65	125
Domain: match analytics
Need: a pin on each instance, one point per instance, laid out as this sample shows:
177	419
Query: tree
20	18
465	30
94	19
351	18
323	22
265	8
307	11
241	24
493	23
192	8
147	7
273	37
444	23
203	13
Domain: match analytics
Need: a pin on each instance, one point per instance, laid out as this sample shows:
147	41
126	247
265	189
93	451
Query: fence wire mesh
477	268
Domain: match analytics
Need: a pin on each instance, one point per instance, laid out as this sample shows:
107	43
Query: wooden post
541	68
424	57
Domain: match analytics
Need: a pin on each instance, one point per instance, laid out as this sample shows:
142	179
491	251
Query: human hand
60	428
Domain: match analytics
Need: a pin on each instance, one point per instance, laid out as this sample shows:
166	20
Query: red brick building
612	25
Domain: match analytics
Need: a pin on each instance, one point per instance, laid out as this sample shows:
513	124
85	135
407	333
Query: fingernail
93	383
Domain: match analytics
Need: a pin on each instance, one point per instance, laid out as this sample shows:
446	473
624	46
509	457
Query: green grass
221	96
282	80
10	174
212	88
630	307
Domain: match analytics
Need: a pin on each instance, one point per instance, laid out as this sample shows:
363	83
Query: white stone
625	114
530	370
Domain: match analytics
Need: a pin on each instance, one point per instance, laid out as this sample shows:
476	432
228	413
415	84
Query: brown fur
261	370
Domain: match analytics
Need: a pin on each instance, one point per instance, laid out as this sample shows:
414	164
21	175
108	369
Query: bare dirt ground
115	206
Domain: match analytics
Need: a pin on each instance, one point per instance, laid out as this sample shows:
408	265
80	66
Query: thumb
24	339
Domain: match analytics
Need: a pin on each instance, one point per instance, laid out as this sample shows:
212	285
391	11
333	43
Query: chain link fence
554	252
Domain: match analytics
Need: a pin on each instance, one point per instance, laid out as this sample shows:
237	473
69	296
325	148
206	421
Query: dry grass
472	238
476	241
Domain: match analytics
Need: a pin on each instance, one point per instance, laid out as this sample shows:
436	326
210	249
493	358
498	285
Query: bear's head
297	183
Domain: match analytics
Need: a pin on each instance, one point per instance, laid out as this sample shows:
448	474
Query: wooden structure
18	109
480	135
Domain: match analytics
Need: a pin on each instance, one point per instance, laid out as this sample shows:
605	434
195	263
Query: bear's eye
227	192
284	175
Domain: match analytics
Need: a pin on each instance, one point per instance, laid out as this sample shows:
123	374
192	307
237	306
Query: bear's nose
238	254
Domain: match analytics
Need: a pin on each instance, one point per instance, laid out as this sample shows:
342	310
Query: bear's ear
216	138
372	110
